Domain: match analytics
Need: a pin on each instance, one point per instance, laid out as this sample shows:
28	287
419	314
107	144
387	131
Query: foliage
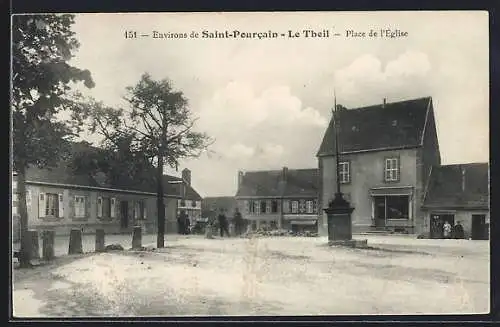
42	45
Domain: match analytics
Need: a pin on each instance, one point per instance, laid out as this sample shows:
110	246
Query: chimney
463	179
284	174
240	178
186	176
384	103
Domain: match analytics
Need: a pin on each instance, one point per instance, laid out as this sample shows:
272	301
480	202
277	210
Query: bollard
99	240
137	237
35	245
75	242
48	245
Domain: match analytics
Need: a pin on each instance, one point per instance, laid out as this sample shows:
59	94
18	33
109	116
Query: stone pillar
137	237
48	245
99	240
339	219
35	245
75	242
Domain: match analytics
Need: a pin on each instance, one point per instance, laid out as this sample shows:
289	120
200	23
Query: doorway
478	228
124	214
437	223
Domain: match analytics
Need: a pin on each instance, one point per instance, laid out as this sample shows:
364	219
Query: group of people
223	223
456	231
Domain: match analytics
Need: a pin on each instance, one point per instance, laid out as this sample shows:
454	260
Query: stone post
35	244
339	219
75	242
99	240
137	237
48	245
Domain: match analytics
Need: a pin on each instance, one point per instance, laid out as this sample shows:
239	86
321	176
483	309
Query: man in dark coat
223	223
458	231
182	222
238	222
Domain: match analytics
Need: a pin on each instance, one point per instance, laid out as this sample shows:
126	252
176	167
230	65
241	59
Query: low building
458	193
286	198
212	205
61	200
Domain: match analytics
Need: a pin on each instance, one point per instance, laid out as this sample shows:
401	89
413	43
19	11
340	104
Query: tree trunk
25	252
160	241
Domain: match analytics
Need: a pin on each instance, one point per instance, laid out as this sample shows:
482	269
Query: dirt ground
261	276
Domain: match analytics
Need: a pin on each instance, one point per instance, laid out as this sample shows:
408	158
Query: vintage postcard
250	164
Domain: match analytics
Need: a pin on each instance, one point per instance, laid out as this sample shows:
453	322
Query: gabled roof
64	173
446	184
271	183
190	192
384	126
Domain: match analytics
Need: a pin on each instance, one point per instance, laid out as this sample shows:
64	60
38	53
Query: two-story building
286	198
386	152
190	201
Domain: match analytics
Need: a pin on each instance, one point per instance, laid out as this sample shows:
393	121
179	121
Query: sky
267	101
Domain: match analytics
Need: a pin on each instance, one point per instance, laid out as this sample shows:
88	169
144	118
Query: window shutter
99	206
112	203
61	205
315	206
28	201
86	205
136	209
144	210
41	205
286	206
247	206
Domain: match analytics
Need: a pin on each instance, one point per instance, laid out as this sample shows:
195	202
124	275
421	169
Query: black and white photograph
230	164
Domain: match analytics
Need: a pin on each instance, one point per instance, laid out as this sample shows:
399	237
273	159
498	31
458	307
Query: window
52	205
106	207
391	171
79	206
391	207
183	203
344	172
295	206
274	206
193	204
268	206
309	206
140	210
255	207
263	206
14	204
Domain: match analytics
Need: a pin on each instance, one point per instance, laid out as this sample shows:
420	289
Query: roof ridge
390	103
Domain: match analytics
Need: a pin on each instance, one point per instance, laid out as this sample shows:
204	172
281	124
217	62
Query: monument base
350	243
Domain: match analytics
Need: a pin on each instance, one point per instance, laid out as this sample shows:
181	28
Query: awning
303	222
301	217
382	191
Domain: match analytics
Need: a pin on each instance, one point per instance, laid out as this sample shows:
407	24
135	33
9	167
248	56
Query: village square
255	204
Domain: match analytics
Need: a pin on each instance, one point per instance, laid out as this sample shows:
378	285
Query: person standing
447	229
458	231
223	225
238	222
182	222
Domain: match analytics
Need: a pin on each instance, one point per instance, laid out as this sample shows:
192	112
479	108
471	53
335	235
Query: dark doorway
478	229
124	214
437	222
379	202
